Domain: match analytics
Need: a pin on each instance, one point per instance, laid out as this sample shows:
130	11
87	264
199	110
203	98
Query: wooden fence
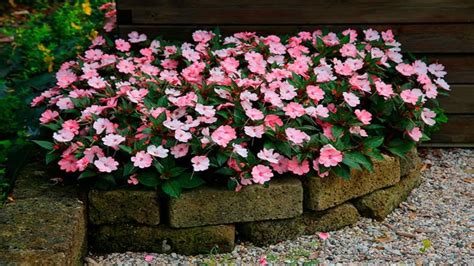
441	30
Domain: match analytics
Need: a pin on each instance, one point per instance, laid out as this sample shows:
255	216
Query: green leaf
221	158
159	167
373	142
285	148
50	157
171	188
176	171
105	182
189	181
226	171
86	174
126	149
349	161
342	171
128	169
44	144
375	153
149	179
362	159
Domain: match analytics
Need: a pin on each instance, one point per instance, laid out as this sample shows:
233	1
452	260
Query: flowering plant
242	109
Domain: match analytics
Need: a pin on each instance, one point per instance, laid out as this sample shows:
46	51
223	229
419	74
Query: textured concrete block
124	206
206	206
327	192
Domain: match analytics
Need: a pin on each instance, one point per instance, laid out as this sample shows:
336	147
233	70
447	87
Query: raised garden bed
207	218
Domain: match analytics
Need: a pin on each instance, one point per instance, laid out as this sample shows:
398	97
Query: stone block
382	202
124	206
330	191
410	163
163	239
206	205
36	231
272	231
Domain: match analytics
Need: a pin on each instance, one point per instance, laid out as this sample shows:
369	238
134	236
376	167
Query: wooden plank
460	67
297	11
460	100
459	129
417	38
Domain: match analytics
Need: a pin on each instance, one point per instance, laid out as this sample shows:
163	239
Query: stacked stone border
209	219
51	225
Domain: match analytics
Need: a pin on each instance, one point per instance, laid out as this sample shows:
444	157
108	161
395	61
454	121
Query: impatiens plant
239	110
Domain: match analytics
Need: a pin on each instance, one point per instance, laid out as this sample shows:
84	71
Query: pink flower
351	99
97	82
205	110
296	168
200	163
329	156
182	135
125	66
48	116
315	93
202	36
82	163
296	136
179	150
142	159
371	35
122	45
363	116
272	121
63	135
281	166
383	89
415	134
149	258
427	116
72	126
106	164
254	131
134	37
405	69
113	140
240	150
223	135
103	124
294	110
324	236
132	180
348	50
254	114
261	174
268	155
68	163
358	131
65	103
262	261
157	151
411	96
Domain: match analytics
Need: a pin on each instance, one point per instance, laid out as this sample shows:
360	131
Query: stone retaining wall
210	219
47	224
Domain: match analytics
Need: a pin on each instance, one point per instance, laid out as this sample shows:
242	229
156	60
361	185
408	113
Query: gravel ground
435	225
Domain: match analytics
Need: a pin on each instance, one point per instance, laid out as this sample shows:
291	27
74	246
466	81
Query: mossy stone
327	192
36	226
34	180
163	239
331	219
283	198
411	162
268	232
124	206
382	202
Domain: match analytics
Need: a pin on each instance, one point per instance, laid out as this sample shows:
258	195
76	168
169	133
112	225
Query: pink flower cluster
248	106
